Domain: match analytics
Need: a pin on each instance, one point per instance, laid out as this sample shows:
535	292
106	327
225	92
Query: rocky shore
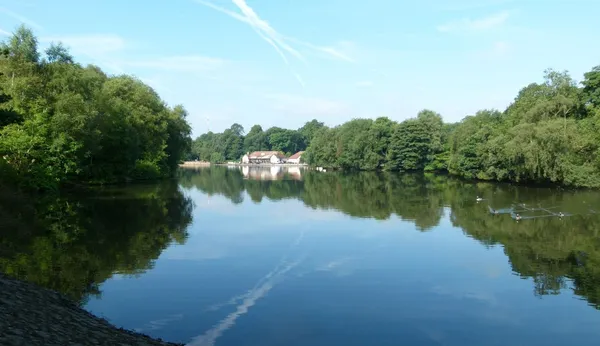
31	316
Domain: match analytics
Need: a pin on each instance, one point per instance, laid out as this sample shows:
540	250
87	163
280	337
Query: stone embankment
31	316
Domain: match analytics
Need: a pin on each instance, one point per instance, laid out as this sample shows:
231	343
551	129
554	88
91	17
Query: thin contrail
267	33
263	29
210	336
260	289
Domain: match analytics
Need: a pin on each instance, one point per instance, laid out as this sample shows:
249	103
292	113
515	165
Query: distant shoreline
205	164
194	164
264	164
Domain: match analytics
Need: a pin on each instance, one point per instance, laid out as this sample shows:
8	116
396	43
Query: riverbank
194	164
31	315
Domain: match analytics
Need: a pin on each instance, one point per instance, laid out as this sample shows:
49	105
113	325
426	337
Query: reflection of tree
218	180
548	250
369	194
75	243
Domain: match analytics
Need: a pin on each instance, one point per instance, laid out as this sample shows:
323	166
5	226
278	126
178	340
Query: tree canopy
233	143
550	133
61	122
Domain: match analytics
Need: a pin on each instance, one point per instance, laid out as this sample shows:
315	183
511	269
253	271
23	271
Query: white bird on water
479	199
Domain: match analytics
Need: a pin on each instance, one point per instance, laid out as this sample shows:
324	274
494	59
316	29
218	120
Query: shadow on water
72	243
557	253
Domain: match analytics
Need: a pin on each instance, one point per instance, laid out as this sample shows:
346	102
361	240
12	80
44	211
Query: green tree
255	140
591	87
287	141
23	45
309	130
59	53
63	123
548	134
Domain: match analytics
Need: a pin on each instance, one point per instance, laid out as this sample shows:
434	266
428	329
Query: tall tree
57	52
591	87
309	130
23	45
255	139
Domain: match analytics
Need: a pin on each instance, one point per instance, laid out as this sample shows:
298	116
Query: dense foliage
62	122
549	134
557	254
233	143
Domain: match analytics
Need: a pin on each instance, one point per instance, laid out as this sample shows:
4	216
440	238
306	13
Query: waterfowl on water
479	199
561	214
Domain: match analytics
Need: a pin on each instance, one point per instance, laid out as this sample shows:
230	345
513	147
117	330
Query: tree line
550	133
233	143
554	253
61	122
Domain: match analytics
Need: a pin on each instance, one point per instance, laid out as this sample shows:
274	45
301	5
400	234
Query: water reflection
73	243
556	253
247	300
271	173
291	256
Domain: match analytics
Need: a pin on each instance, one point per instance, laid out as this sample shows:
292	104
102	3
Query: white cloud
100	48
95	44
21	18
336	51
471	5
185	63
499	49
480	24
364	84
107	50
301	105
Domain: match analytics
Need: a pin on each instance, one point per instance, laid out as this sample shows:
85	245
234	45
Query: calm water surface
232	256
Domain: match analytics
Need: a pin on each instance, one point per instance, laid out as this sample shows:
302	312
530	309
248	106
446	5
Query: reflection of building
262	173
275	171
263	157
271	173
295	158
294	173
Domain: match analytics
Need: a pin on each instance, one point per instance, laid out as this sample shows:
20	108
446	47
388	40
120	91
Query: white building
272	157
295	158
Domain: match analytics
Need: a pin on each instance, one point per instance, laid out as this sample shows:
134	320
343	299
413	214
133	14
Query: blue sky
284	62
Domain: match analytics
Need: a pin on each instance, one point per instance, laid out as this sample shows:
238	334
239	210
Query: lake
285	256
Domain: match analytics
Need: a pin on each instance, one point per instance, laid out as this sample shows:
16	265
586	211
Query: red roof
265	154
296	155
